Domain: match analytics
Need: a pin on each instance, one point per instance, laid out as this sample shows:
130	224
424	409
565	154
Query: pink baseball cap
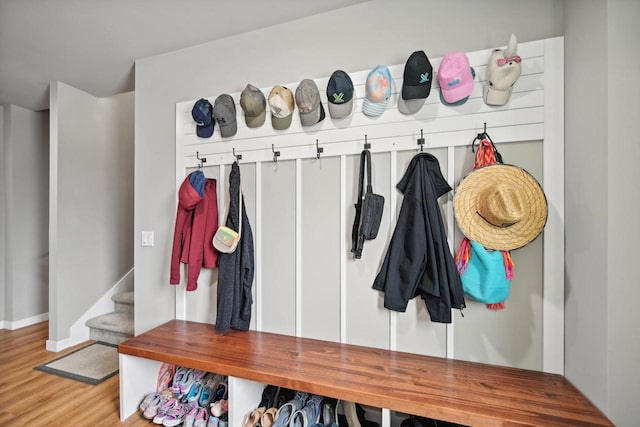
455	77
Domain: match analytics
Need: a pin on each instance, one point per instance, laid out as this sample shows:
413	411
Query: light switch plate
147	238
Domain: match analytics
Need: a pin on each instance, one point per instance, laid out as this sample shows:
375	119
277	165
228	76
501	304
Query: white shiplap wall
534	112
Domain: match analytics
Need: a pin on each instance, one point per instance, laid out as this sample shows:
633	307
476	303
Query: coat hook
237	156
367	146
201	159
276	154
318	150
421	140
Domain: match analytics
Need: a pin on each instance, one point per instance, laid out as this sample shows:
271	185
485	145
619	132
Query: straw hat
500	206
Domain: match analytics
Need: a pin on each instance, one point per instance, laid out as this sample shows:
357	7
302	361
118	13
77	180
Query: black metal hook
201	159
421	140
237	156
318	150
276	154
367	146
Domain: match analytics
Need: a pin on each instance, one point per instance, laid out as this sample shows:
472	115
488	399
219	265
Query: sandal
268	417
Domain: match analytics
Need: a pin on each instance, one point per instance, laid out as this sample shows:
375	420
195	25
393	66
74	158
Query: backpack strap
357	240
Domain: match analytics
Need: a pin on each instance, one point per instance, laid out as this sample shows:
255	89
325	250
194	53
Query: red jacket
196	223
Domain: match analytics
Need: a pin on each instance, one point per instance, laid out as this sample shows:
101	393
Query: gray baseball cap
308	101
224	111
254	105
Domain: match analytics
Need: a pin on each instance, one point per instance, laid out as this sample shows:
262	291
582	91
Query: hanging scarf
485	156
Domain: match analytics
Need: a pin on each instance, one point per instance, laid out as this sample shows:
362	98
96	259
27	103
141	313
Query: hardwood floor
33	398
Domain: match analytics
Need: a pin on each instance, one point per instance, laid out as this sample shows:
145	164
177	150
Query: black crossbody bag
369	209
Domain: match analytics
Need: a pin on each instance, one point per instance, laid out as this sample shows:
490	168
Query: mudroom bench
399	383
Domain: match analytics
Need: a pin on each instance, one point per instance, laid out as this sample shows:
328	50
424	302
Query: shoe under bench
458	391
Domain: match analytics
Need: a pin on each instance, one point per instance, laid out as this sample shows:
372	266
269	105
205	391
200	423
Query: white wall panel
278	247
307	280
320	249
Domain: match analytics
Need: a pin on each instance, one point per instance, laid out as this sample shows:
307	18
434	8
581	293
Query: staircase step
123	301
113	327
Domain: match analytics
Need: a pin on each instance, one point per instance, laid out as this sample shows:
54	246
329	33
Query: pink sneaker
202	418
165	376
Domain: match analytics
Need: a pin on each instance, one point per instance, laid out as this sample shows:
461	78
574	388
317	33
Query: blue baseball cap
202	113
340	95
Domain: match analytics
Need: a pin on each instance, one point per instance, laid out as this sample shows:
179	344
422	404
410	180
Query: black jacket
235	270
418	260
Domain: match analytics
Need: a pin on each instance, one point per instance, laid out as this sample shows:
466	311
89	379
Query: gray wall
91	200
586	183
24	212
3	192
623	202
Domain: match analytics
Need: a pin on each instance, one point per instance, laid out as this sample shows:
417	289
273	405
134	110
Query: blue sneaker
283	416
309	414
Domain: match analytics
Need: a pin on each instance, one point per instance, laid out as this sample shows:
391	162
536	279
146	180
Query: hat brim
312	117
255	121
204	131
340	111
410	106
490	236
281	123
495	97
374	109
416	92
228	130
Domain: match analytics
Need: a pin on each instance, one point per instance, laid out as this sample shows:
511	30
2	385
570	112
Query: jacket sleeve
176	250
404	262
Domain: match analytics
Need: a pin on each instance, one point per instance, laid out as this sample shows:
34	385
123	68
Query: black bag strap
357	240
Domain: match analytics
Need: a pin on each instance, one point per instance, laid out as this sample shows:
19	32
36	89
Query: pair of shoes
219	408
165	376
253	418
268	417
164	409
354	416
269	396
150	404
176	415
309	414
330	413
180	375
209	386
286	411
197	417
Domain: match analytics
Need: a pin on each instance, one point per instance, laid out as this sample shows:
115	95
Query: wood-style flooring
33	398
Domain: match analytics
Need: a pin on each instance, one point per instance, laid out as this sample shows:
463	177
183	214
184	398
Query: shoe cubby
388	385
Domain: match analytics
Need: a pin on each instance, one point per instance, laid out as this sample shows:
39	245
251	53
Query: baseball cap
224	111
281	104
202	113
308	101
416	83
503	70
340	95
455	77
254	105
378	91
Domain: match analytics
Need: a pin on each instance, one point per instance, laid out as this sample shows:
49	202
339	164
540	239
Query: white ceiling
92	44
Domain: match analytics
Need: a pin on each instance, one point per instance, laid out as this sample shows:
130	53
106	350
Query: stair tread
123	297
120	322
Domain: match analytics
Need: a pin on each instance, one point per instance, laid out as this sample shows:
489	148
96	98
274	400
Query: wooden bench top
463	392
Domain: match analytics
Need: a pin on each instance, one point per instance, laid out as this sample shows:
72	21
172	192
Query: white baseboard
17	324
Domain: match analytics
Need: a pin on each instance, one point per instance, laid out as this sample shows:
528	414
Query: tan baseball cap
254	106
282	105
